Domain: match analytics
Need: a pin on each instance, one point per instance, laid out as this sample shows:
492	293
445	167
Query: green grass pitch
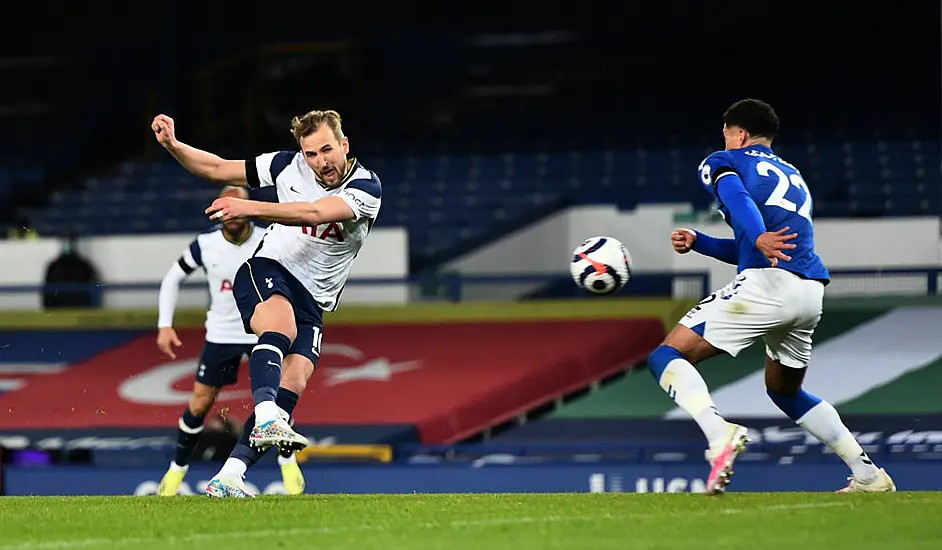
750	521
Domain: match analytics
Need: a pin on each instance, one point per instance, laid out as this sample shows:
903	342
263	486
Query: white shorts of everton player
773	304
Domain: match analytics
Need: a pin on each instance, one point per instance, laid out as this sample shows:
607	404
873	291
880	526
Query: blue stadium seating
448	200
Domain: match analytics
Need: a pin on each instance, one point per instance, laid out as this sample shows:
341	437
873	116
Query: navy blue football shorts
219	363
260	278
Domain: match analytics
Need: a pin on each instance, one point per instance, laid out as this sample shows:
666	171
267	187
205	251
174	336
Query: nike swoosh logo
293	189
274	364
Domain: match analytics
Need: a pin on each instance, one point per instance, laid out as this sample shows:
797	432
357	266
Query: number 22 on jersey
777	198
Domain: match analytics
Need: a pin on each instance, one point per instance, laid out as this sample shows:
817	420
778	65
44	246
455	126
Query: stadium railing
456	287
453	287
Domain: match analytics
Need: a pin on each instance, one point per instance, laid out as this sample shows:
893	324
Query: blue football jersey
782	197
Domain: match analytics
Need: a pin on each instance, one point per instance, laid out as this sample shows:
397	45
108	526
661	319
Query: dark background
82	82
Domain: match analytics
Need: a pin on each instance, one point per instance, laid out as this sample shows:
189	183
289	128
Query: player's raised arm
198	162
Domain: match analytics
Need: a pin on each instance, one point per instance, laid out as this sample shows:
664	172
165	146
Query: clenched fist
163	130
683	239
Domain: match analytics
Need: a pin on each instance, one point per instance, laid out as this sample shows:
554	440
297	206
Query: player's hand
224	209
164	131
772	243
166	340
683	239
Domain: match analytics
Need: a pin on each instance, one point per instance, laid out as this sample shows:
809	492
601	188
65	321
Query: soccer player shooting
326	206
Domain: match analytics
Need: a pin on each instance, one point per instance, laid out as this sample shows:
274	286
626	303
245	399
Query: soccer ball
601	265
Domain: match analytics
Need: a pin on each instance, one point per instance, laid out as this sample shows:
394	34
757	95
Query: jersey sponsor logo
356	200
324	231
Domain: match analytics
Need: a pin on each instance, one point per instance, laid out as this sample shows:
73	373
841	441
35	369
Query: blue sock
796	405
659	359
265	365
188	435
287	400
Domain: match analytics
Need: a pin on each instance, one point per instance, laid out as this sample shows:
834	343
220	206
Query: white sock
177	468
683	383
823	422
291	459
265	411
233	467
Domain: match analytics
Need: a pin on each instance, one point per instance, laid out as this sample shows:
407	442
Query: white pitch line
328	530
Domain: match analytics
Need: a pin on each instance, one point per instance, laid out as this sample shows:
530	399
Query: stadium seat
448	200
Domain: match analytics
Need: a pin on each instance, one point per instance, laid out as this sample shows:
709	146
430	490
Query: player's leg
785	367
264	292
672	365
298	371
299	365
262	295
245	455
713	326
214	361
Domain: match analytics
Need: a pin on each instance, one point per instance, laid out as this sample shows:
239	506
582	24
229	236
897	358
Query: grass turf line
515	521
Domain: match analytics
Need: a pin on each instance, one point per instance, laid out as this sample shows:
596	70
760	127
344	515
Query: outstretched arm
684	240
198	162
309	214
359	198
723	250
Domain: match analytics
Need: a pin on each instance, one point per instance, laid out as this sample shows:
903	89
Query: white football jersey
221	259
319	257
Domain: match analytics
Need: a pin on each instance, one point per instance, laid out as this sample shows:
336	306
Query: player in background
219	253
327	206
775	296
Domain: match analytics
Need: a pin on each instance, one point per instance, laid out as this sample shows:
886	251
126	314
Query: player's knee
660	358
275	315
690	343
794	404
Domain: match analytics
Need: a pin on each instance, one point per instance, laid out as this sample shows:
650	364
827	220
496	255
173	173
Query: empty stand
447	200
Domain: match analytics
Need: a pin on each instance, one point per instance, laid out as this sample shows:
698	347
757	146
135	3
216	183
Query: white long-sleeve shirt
220	259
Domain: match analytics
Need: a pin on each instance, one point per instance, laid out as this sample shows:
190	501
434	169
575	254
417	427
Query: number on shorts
700	304
316	349
705	301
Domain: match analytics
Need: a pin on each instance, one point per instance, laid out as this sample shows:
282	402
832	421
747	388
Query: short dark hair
754	116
